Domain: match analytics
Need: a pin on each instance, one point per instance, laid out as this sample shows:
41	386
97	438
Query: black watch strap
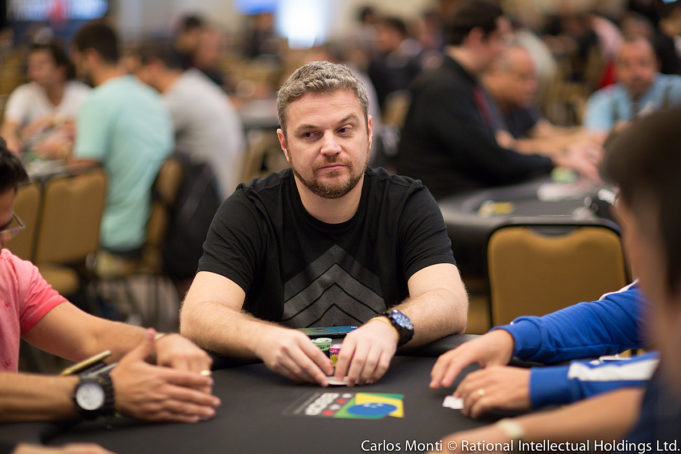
403	325
107	408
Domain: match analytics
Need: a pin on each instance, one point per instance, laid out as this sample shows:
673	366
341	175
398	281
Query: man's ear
282	143
370	128
475	37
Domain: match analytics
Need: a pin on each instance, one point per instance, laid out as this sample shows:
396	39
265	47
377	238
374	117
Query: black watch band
104	383
401	323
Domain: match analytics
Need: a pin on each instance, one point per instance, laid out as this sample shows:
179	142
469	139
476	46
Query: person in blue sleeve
604	327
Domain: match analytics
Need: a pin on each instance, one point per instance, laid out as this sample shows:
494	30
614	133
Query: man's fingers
381	367
186	378
370	365
322	362
345	356
192	396
357	364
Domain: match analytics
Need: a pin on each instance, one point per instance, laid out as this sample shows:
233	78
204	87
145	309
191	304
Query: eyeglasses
10	230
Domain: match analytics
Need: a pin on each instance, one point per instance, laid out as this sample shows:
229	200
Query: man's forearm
435	314
28	397
218	328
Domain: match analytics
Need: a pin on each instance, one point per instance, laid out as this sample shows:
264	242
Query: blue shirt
612	104
607	326
124	125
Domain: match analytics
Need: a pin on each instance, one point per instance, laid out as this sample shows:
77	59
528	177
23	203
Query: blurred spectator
366	33
511	82
206	125
397	62
670	25
123	126
640	88
208	56
41	113
188	38
634	25
261	38
448	140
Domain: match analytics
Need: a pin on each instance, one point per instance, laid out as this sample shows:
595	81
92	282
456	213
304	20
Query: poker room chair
68	226
116	273
27	207
538	269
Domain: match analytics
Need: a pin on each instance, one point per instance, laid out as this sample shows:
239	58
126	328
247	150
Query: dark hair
394	23
161	50
644	160
190	22
12	171
56	50
99	37
471	14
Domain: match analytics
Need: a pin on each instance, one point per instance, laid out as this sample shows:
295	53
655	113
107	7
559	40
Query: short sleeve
597	116
92	131
234	241
16	109
36	296
423	233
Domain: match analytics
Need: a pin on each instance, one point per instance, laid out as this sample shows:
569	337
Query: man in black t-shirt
327	242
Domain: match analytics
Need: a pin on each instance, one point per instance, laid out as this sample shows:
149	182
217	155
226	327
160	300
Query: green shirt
124	125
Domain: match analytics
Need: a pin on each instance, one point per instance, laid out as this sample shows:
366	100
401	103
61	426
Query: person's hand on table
366	353
583	158
496	387
465	441
291	353
158	393
72	448
493	348
173	350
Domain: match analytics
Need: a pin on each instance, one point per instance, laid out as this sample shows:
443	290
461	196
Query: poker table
264	412
473	216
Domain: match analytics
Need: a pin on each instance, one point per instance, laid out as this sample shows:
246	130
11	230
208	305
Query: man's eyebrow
352	116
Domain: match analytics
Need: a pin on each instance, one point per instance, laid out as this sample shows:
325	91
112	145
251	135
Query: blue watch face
402	320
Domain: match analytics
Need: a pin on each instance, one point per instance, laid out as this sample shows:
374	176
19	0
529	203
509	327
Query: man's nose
330	144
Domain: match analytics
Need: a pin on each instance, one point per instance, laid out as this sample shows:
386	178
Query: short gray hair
319	77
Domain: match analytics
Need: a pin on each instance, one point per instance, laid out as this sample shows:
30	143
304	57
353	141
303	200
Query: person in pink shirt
176	388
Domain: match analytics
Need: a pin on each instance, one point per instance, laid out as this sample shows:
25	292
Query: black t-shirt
303	272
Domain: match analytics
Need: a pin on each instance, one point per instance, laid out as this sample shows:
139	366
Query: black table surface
252	416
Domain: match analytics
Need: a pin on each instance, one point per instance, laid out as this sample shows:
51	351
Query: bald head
512	78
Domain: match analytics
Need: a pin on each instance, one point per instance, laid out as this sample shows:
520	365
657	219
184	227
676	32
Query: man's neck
166	81
466	59
55	93
106	73
331	211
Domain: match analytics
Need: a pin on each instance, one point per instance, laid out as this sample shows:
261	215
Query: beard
331	190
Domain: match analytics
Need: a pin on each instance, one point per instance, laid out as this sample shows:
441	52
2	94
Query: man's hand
494	348
497	387
158	393
71	448
366	353
582	157
291	353
179	352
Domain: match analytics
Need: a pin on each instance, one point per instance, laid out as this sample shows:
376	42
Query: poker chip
324	343
334	350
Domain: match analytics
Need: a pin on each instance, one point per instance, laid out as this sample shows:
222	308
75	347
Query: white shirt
29	102
207	126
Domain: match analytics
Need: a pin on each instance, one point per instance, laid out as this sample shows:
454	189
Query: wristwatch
403	325
94	396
